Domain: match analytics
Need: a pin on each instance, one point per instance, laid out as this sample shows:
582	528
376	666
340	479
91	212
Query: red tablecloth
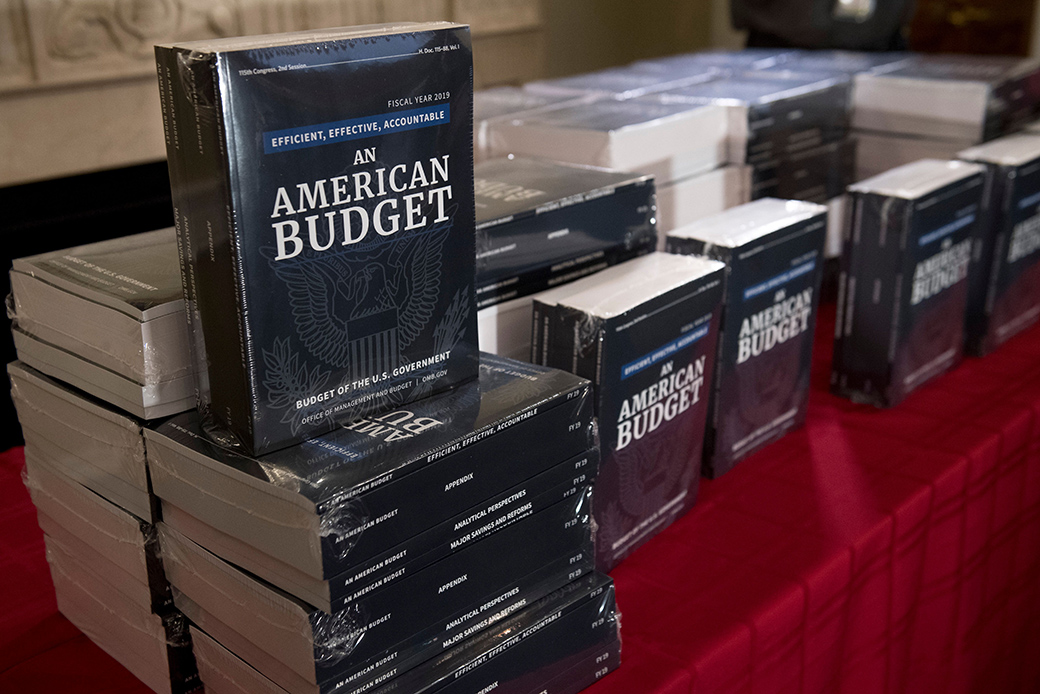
872	551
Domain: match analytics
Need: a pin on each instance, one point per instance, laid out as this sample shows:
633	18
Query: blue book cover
323	192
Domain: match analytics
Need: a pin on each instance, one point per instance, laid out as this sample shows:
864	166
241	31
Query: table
871	551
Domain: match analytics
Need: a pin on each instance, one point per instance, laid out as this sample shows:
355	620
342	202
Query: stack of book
108	318
933	106
683	147
103	344
689	195
541	224
341	563
626	82
645	333
845	65
773	251
490	105
87	474
723	60
791	128
362	502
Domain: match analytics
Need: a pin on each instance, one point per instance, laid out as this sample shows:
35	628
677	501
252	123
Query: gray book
109	318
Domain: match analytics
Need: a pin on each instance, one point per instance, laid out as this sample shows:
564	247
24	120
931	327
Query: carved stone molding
92	40
15	67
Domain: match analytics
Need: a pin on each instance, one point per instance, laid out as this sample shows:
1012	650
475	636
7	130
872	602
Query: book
322	185
667	141
88	441
645	332
497	103
573	631
101	531
685	201
840	62
332	503
815	175
539	221
562	644
773	251
390	627
157	649
393	562
117	304
625	82
1004	286
903	282
143	401
108	317
948	97
879	152
691	63
774	114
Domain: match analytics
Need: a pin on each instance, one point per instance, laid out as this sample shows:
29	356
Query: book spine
497	513
180	656
574	343
449	486
863	365
561	653
982	273
166	65
540	279
536	333
416	619
844	278
212	271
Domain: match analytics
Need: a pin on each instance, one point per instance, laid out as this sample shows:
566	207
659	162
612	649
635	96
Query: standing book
1004	280
645	333
903	284
323	194
773	251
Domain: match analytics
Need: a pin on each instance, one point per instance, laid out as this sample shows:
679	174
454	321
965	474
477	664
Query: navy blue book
1004	295
645	332
773	250
323	193
903	283
541	224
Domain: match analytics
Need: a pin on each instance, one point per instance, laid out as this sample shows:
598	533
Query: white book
880	152
155	649
146	401
498	103
89	442
117	304
223	672
690	199
625	82
105	532
973	98
668	141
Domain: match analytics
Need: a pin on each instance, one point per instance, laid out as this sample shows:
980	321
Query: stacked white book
108	318
625	82
102	340
668	141
87	474
933	106
505	103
